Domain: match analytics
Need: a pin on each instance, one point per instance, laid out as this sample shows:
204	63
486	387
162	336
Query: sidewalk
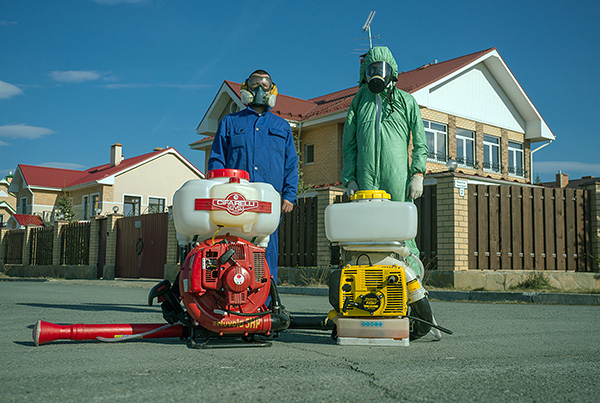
530	297
480	296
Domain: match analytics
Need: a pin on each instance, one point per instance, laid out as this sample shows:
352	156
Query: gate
142	246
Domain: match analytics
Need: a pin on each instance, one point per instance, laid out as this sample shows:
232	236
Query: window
465	147
23	206
156	205
86	207
515	159
131	205
491	153
436	140
309	154
95	203
1	220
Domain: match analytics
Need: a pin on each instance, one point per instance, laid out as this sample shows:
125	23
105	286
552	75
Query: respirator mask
258	90
379	76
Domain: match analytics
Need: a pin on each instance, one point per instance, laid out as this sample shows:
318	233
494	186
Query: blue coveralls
262	145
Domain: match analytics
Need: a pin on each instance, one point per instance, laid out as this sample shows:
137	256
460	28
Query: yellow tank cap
370	194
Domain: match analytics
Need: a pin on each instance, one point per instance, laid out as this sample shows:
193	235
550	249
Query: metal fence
75	244
15	240
298	235
41	242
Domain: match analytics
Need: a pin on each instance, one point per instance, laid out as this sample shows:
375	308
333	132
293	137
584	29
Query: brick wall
327	166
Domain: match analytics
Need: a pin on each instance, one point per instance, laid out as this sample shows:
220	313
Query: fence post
111	246
3	232
593	191
56	243
171	266
452	225
94	241
325	197
27	244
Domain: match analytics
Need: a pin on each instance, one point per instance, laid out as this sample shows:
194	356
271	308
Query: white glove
415	187
352	188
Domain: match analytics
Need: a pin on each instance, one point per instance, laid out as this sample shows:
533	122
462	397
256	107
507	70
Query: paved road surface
499	352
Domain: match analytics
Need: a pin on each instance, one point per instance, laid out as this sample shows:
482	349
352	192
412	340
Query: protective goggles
378	69
254	82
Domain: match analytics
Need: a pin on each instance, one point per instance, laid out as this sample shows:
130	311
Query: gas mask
379	76
258	90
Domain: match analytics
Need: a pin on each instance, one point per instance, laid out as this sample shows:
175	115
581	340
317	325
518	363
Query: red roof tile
28	219
62	178
286	107
298	109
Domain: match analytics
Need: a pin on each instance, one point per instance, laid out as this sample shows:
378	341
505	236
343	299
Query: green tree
537	179
65	208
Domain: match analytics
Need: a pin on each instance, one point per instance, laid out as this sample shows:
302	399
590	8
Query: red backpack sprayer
225	283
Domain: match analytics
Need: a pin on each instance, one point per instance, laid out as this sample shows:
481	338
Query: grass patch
533	281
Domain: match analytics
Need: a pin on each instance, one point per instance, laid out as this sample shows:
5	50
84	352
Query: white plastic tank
371	217
226	198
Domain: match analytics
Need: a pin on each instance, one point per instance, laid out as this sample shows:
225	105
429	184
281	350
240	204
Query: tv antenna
367	27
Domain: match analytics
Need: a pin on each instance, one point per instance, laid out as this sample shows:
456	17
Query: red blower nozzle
44	332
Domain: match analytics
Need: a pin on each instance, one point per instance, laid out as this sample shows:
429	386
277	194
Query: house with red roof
18	221
7	201
474	111
133	186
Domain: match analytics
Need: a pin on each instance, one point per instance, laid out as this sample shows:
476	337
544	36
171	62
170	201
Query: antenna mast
367	27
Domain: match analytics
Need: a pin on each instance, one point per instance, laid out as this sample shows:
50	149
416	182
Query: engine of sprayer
225	281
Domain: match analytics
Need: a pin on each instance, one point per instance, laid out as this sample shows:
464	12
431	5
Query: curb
35	280
479	296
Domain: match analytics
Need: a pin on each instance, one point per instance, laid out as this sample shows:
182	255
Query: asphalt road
498	352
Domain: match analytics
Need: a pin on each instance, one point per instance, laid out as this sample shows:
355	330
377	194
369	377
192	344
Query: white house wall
476	95
160	177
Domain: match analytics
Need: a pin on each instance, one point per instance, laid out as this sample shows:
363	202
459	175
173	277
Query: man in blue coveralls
261	143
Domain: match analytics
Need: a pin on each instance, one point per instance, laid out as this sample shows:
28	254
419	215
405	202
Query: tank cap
228	173
370	194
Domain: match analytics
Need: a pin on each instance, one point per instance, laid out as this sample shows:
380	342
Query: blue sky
79	75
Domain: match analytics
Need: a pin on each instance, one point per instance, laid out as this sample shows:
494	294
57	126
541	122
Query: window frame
306	153
465	161
163	204
436	156
487	144
139	207
514	152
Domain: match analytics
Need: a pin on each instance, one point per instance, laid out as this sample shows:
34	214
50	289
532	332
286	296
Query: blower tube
44	332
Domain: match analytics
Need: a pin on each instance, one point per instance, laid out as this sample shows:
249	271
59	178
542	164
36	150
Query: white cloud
3	143
8	90
63	165
75	76
5	23
23	132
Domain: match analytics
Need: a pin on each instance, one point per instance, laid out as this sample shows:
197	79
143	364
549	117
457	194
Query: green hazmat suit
376	137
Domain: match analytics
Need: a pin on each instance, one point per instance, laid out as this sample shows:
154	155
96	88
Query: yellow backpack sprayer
371	294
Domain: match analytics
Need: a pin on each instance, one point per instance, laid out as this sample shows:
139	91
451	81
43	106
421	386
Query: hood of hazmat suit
377	134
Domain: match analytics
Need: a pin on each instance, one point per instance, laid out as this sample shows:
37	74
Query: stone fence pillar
594	195
171	267
325	197
452	224
56	241
108	272
3	232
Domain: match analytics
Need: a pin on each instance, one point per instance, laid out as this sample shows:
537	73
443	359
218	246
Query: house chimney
562	180
116	155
